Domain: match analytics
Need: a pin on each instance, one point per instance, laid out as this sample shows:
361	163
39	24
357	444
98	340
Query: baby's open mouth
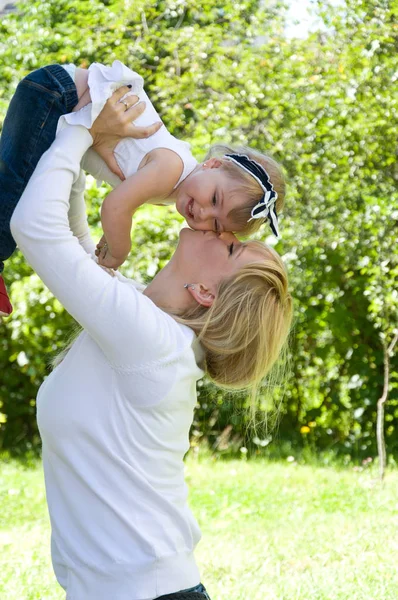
189	209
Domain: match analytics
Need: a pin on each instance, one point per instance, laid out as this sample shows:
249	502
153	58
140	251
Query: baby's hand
105	258
109	261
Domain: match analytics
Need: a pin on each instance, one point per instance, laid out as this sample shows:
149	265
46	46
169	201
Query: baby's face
206	197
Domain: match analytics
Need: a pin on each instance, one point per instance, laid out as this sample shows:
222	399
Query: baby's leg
28	131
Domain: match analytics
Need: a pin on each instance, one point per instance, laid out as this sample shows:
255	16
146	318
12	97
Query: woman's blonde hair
248	187
245	330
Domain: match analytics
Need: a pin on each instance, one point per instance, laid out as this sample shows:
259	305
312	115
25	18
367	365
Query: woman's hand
117	115
115	122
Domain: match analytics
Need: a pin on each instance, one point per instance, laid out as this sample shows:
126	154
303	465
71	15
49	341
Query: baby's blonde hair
248	187
245	330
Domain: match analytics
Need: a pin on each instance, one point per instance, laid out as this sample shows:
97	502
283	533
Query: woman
115	414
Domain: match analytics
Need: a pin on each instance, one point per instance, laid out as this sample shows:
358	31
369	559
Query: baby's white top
103	81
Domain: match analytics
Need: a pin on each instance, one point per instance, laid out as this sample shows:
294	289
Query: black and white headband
266	208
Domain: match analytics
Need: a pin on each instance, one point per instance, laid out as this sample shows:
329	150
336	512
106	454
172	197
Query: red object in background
5	304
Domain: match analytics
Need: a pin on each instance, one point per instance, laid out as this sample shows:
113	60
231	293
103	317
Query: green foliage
326	107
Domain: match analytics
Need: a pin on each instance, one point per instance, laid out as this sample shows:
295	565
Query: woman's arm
127	326
155	180
77	215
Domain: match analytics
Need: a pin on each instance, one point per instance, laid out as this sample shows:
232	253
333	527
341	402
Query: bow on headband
265	209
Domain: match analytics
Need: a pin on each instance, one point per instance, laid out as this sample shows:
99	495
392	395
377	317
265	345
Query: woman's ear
201	294
212	163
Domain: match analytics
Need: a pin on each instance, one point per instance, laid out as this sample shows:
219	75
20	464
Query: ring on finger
125	103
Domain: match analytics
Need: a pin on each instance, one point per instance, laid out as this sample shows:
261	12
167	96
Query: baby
234	189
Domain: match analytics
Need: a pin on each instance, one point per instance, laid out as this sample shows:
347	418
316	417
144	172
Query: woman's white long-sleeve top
114	416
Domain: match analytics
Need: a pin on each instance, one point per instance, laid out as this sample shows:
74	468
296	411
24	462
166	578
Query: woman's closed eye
231	249
216	224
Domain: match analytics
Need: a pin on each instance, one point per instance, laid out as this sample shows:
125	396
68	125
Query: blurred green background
325	105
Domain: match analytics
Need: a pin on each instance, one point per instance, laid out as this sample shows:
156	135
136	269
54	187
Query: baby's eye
231	249
214	200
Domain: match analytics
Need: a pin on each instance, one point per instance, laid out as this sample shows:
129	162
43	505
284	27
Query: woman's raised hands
115	122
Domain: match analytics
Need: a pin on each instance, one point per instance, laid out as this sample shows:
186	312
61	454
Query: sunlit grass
271	531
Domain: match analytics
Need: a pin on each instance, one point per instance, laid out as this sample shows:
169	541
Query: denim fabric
28	131
185	594
199	588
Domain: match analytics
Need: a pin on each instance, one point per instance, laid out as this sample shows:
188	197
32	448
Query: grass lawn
271	531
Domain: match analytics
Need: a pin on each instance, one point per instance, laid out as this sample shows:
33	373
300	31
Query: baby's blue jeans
199	589
28	131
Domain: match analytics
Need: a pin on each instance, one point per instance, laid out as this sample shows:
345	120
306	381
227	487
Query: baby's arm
156	180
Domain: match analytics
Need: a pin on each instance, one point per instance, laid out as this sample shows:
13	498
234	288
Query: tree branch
381	444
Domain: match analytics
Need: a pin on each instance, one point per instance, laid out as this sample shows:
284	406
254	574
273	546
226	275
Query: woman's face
208	257
202	259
